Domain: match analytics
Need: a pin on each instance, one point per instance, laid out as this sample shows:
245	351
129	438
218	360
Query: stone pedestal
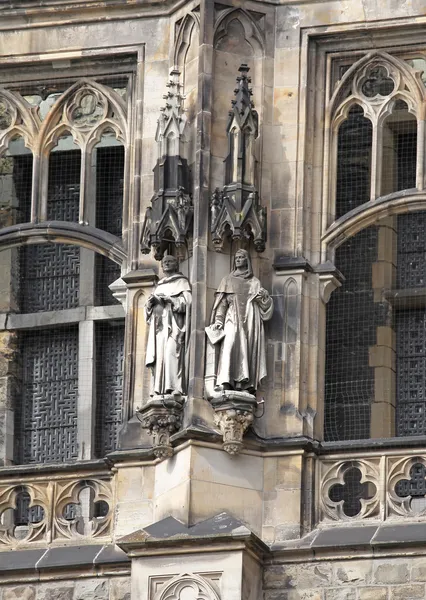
215	559
162	417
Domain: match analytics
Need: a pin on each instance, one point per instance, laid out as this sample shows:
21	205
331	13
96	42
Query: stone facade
87	589
355	579
216	491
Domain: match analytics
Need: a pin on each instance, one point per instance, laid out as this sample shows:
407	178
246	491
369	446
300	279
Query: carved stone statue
240	309
168	312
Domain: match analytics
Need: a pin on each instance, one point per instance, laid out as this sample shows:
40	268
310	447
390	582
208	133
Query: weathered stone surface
57	593
295	595
418	570
340	594
298	576
391	572
119	588
19	593
407	592
354	572
91	589
373	593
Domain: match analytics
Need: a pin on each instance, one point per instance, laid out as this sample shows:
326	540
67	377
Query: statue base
234	412
162	417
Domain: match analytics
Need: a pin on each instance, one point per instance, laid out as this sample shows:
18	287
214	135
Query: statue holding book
237	329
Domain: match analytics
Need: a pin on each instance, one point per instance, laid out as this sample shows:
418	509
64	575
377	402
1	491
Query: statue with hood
237	328
168	313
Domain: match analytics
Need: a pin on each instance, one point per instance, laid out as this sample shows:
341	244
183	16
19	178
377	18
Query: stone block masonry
116	588
365	579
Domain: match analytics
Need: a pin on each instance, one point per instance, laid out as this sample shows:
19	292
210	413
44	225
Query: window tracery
64	160
375	322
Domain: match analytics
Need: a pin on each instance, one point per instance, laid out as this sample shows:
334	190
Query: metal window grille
109	388
15	187
109	214
353	161
46	421
351	320
50	272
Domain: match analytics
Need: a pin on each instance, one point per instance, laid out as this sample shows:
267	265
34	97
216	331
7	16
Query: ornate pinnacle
174	98
243	93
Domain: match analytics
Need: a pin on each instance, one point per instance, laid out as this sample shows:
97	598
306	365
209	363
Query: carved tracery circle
86	109
377	83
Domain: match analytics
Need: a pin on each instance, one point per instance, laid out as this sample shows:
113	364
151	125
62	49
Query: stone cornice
53	13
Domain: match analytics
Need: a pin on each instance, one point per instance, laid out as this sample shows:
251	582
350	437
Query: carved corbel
328	283
330	279
162	417
119	291
234	413
235	210
233	424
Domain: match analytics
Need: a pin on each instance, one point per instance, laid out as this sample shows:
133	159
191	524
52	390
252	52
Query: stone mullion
8	382
86	339
382	356
86	390
201	209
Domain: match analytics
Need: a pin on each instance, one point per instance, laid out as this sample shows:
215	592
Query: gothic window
375	383
63	161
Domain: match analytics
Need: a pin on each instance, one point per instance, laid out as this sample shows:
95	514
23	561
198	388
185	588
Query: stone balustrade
38	510
372	485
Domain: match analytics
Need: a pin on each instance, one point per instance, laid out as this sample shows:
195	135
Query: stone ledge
77	467
368	538
163	537
58	558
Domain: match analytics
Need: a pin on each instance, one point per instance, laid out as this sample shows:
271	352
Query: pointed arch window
63	158
375	121
376	324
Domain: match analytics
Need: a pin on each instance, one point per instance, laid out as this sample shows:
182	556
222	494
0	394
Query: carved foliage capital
162	417
233	423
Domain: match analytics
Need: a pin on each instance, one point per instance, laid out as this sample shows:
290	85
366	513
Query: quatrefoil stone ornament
414	488
352	491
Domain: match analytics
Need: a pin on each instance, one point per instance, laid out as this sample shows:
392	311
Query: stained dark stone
345	536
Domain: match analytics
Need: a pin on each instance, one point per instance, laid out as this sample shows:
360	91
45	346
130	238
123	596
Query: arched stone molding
407	86
237	39
17	119
370	213
187	28
69	111
196	588
350	83
290	294
108	126
85	110
252	33
61	232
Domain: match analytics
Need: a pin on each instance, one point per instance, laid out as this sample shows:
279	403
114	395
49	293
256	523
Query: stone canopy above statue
168	221
235	209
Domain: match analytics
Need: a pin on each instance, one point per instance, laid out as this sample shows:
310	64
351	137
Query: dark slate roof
371	537
64	556
222	524
170	533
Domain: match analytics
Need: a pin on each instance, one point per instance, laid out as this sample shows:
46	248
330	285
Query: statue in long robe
240	309
168	312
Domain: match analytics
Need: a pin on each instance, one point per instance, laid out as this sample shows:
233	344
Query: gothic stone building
134	129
